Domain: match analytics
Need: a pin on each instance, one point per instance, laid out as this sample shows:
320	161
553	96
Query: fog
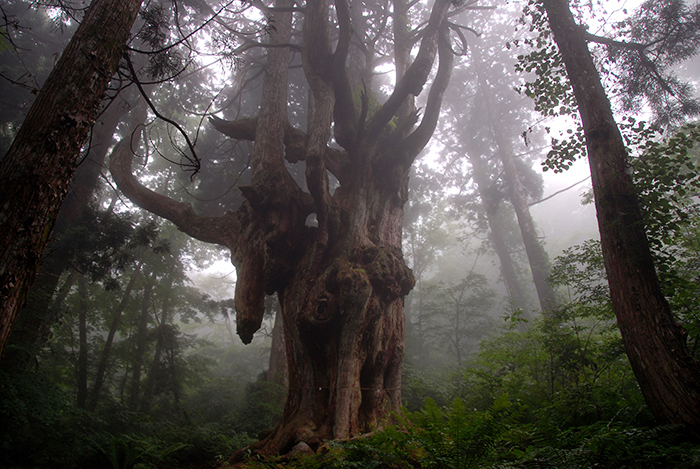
476	297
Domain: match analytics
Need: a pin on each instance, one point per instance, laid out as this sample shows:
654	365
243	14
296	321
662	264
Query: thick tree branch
242	129
317	60
218	230
267	157
295	140
344	113
613	43
416	75
415	142
641	50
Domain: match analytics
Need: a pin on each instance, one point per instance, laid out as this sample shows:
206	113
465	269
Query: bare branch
416	75
613	43
414	143
194	164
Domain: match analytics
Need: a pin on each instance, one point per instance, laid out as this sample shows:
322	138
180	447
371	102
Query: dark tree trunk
39	165
140	345
668	375
150	387
277	369
62	293
82	343
107	349
37	317
341	284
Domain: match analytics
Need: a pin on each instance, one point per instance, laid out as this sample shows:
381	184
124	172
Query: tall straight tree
37	169
668	375
340	281
35	320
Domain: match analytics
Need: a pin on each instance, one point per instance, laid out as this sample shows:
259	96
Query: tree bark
277	369
668	375
39	165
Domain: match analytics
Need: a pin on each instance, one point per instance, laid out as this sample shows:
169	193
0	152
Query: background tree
499	161
458	316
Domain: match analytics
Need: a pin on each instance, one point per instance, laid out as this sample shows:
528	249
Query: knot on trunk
386	271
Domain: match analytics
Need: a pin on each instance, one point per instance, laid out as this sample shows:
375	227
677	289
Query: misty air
440	234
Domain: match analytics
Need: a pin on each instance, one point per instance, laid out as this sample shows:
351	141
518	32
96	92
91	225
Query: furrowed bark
39	165
344	114
668	375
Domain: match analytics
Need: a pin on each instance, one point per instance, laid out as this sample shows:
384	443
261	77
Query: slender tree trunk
536	255
458	333
107	349
62	293
668	375
83	342
141	343
38	167
148	391
491	204
123	383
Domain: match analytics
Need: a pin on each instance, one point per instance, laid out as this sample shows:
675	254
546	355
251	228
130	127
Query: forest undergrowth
557	392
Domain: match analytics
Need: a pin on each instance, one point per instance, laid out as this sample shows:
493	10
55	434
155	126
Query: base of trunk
344	335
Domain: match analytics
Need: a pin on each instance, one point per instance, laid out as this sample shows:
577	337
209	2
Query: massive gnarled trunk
341	283
668	375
